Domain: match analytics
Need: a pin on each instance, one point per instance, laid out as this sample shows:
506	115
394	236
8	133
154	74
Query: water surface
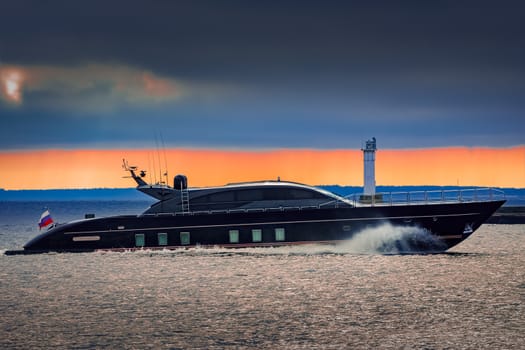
300	297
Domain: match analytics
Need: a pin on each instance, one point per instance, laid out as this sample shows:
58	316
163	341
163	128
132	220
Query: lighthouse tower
369	158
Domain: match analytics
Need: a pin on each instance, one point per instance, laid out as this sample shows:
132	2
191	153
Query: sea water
348	296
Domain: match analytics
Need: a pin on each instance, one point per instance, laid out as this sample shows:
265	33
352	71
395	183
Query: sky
443	80
204	167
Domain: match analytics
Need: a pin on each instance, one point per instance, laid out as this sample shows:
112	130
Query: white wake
389	239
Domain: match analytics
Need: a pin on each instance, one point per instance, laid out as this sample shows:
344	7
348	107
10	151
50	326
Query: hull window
279	234
140	240
234	236
184	238
256	235
162	238
86	238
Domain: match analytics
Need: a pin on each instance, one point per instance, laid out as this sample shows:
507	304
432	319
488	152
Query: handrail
427	197
379	199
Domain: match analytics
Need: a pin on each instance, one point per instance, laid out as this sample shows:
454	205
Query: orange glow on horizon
46	169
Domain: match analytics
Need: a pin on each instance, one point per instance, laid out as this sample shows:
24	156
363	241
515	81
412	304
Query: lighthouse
369	165
369	160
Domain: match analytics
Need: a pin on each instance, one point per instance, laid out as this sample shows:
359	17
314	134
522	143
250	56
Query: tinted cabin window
250	195
290	193
302	194
228	196
275	193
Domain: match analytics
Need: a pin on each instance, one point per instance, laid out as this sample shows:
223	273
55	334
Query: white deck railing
427	197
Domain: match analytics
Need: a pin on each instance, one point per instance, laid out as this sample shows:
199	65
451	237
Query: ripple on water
311	297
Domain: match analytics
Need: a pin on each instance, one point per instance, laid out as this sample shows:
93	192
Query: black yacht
271	213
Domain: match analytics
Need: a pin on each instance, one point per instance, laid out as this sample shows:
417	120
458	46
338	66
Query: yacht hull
446	223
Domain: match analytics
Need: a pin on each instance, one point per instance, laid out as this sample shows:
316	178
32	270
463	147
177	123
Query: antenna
154	169
126	166
158	157
165	159
149	167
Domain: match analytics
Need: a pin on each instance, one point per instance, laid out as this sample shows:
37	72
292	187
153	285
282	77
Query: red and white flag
45	219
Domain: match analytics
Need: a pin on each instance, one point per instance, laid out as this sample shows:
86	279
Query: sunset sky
244	90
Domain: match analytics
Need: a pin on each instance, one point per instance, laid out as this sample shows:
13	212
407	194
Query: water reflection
287	297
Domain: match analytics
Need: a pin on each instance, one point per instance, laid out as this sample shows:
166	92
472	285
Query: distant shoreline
95	194
508	215
515	197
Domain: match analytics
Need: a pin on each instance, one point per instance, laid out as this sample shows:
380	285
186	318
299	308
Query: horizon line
197	187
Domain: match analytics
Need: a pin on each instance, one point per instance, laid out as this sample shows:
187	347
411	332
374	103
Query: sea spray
389	239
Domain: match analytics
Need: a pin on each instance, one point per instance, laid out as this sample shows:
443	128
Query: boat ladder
185	199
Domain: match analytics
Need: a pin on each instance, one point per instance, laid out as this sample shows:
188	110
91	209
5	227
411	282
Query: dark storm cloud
246	39
298	73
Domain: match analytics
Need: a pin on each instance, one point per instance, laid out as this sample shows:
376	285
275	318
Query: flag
45	219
